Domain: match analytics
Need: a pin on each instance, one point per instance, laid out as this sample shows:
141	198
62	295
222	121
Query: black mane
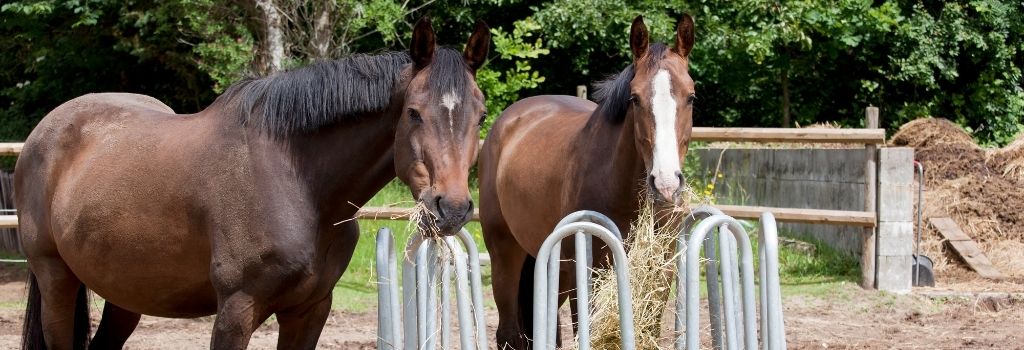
326	92
612	94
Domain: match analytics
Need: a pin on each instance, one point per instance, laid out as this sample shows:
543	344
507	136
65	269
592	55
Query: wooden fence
868	138
861	137
840	136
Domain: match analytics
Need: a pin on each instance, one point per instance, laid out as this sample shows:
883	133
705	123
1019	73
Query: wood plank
810	216
8	221
395	213
949	229
10	148
965	247
758	135
814	216
808	135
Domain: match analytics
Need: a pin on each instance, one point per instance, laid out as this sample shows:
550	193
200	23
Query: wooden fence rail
818	216
757	135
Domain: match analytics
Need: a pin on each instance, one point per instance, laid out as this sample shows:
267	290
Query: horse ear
639	39
684	36
477	46
422	48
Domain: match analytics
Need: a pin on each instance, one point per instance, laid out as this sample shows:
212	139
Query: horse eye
692	98
482	118
415	116
634	99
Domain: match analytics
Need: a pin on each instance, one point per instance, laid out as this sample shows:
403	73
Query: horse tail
32	333
526	297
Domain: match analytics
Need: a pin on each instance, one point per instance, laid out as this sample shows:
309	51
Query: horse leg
63	305
115	327
507	268
301	327
238	315
567	292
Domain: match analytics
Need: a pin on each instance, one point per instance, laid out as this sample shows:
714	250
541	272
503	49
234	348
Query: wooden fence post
867	257
581	91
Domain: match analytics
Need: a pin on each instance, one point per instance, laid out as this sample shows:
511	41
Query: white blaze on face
666	150
449	100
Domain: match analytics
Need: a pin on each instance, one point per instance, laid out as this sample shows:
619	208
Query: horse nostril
650	182
440	207
469	210
679	175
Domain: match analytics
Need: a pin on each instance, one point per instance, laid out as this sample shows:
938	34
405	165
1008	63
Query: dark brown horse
232	210
548	156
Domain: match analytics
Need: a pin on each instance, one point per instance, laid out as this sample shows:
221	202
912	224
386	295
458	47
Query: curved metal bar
582	289
409	296
421	266
446	293
770	242
387	301
594	217
714	294
693	278
763	275
540	307
424	296
554	264
728	289
477	287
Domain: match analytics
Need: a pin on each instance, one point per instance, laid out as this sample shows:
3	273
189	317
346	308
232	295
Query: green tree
770	63
756	62
57	50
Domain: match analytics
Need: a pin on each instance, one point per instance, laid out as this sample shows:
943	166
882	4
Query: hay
978	188
651	258
1009	160
926	132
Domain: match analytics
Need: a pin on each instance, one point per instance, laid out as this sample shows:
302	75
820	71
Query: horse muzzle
449	214
666	189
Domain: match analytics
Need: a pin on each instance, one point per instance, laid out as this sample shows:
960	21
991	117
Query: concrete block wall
827	179
894	243
794	178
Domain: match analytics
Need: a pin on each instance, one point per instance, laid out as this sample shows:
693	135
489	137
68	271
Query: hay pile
1010	160
930	131
650	250
979	189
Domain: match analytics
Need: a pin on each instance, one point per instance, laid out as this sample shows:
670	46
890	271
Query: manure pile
982	190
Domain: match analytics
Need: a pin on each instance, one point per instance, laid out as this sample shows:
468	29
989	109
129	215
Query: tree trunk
273	46
323	28
786	121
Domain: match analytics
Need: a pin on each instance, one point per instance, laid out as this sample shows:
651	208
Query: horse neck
345	164
621	174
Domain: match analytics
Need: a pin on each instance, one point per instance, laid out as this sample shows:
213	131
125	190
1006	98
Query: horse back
105	181
61	139
527	165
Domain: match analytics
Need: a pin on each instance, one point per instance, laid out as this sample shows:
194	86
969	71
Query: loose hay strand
651	264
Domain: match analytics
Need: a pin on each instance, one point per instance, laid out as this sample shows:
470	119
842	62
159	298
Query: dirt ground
836	316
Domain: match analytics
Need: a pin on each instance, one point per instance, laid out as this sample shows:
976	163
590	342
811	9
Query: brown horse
548	156
233	210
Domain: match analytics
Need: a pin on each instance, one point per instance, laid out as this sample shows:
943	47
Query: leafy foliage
502	87
756	62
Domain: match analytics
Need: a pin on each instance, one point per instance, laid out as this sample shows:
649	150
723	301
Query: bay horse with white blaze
233	210
548	156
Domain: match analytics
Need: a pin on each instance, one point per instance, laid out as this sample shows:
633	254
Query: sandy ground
838	317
